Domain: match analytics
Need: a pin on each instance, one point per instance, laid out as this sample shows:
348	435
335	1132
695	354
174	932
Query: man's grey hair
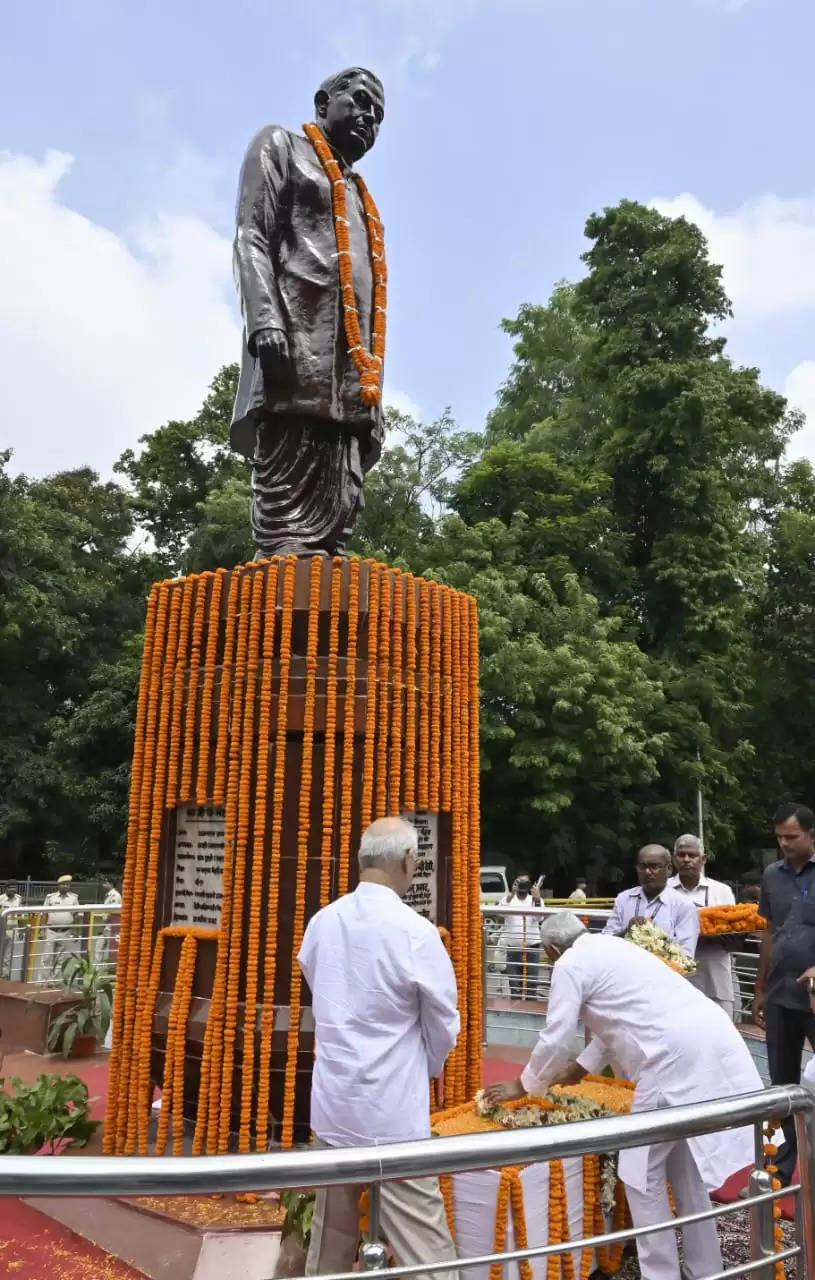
561	930
689	839
386	842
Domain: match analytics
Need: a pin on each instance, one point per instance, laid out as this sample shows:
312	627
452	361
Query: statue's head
349	107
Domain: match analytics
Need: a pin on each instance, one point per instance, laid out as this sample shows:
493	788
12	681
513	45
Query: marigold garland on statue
375	572
369	364
383	701
199	615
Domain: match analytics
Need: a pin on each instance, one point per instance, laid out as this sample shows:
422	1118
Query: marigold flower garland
383	701
329	758
344	857
172	1095
204	734
241	769
449	621
369	364
199	615
143	1027
374	574
435	749
126	1117
397	700
771	1151
741	917
475	958
258	861
181	656
270	958
558	1264
423	778
119	999
410	693
303	832
222	739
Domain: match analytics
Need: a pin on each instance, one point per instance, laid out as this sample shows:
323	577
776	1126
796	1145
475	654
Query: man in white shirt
107	939
60	937
714	971
521	938
678	1047
654	901
578	893
384	1002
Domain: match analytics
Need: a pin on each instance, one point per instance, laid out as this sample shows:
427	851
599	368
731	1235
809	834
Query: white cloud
393	398
766	247
102	337
799	388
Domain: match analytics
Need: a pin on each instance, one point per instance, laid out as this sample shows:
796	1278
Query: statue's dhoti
306	486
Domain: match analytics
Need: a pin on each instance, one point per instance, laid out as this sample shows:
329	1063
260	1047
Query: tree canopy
642	555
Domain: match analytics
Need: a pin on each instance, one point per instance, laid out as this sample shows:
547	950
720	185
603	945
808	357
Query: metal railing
321	1167
33	892
33	940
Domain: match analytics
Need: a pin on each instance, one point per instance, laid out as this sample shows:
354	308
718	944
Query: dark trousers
515	973
786	1030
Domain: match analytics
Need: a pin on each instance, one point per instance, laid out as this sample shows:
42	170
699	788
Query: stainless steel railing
129	1176
31	947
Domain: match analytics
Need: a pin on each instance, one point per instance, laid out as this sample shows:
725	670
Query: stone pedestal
283	706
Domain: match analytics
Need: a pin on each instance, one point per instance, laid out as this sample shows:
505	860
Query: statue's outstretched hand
272	347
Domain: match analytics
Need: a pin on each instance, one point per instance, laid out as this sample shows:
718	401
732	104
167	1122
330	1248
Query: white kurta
384	1004
714	971
660	1032
521	931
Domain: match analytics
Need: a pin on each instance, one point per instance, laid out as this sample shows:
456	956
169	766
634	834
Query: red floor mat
34	1247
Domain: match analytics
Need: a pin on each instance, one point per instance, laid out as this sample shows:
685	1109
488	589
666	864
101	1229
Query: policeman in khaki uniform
9	898
60	932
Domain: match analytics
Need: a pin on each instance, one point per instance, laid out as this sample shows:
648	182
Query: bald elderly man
385	1010
653	900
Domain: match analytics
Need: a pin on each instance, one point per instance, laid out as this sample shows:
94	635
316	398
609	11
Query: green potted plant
51	1115
82	1027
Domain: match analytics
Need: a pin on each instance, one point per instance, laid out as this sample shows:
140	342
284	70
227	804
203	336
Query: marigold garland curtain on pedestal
291	701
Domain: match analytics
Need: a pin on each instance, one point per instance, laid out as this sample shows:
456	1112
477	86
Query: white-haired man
714	971
677	1046
385	1010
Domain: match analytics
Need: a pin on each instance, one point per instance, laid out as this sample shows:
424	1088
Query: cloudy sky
123	124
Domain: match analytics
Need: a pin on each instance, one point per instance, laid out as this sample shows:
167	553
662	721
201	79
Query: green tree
72	589
569	706
411	486
179	466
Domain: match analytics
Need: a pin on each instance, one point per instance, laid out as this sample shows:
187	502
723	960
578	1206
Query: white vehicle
494	887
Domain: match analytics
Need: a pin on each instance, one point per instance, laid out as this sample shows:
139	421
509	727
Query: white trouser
56	944
658	1255
413	1222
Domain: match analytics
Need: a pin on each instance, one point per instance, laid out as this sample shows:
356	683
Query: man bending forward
384	1004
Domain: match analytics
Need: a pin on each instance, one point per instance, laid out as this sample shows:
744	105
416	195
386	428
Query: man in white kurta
653	900
714	969
678	1047
385	1010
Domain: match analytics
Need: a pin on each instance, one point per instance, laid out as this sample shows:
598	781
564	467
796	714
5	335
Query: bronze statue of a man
308	410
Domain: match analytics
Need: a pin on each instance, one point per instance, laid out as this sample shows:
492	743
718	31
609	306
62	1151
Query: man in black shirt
787	957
